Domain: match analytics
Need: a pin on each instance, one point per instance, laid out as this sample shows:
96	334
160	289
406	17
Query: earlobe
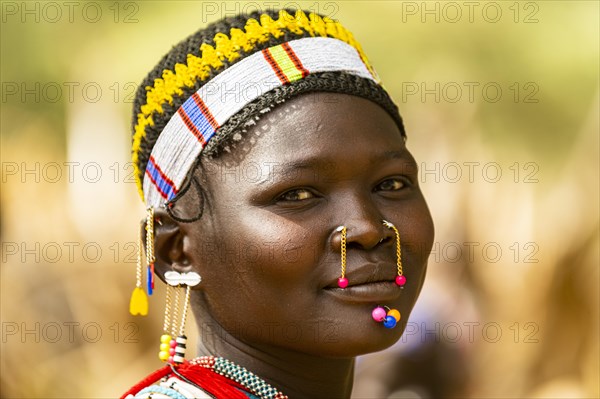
169	241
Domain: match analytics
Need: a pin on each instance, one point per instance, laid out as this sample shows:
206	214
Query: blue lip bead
389	322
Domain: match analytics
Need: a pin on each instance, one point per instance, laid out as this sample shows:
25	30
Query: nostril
364	236
385	240
361	245
336	238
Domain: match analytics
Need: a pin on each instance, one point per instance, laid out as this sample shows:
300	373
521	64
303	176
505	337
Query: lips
367	283
377	292
366	275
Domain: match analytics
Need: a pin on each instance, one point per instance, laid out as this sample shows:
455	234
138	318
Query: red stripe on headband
295	59
275	66
161	173
160	191
205	111
191	127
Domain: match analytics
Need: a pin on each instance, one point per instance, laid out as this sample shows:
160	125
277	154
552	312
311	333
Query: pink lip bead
400	281
378	314
342	282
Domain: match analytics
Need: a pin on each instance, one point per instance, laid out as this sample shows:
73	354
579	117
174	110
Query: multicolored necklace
240	375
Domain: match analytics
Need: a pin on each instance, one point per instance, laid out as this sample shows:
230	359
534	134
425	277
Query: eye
299	194
392	184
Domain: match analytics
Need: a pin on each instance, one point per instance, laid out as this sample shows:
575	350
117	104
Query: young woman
283	199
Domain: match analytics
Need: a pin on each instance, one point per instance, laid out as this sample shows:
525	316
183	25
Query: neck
297	375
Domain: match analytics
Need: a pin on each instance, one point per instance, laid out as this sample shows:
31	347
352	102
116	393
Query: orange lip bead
395	314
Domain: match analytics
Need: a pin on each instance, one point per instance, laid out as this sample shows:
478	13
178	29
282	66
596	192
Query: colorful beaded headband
254	71
196	121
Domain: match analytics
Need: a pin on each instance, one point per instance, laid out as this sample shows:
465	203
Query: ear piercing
343	281
173	350
138	304
150	250
400	279
389	318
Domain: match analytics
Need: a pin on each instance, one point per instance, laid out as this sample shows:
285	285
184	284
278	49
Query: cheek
418	231
260	278
259	252
415	228
416	224
423	232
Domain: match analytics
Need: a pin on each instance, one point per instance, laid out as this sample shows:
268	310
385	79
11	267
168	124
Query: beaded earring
389	318
173	350
400	279
343	281
168	328
150	250
138	304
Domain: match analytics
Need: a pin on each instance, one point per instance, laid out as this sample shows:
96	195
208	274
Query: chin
355	340
379	338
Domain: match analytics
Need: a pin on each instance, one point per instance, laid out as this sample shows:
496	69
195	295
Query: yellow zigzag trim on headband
198	68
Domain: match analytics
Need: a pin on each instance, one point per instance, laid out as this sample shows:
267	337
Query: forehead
323	125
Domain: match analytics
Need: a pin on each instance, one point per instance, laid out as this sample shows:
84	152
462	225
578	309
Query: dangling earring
150	250
165	339
400	279
173	350
138	304
343	281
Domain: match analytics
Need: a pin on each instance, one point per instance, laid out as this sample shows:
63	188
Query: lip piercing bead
389	322
389	319
395	314
378	314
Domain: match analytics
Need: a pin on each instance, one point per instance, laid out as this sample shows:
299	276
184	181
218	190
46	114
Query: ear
168	245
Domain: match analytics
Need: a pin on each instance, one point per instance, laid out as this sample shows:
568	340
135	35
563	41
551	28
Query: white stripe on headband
196	121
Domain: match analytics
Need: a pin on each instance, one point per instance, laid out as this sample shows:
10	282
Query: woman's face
266	245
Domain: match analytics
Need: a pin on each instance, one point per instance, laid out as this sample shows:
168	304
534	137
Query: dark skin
268	251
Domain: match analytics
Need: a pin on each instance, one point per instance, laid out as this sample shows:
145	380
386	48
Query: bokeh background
501	104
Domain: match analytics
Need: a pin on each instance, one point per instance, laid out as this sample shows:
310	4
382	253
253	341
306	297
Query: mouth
377	291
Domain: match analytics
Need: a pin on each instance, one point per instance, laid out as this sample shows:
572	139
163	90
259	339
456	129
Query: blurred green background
500	100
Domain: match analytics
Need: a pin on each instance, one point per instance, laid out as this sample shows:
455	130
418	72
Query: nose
364	226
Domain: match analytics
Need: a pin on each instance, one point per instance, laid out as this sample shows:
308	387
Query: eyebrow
389	155
312	163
